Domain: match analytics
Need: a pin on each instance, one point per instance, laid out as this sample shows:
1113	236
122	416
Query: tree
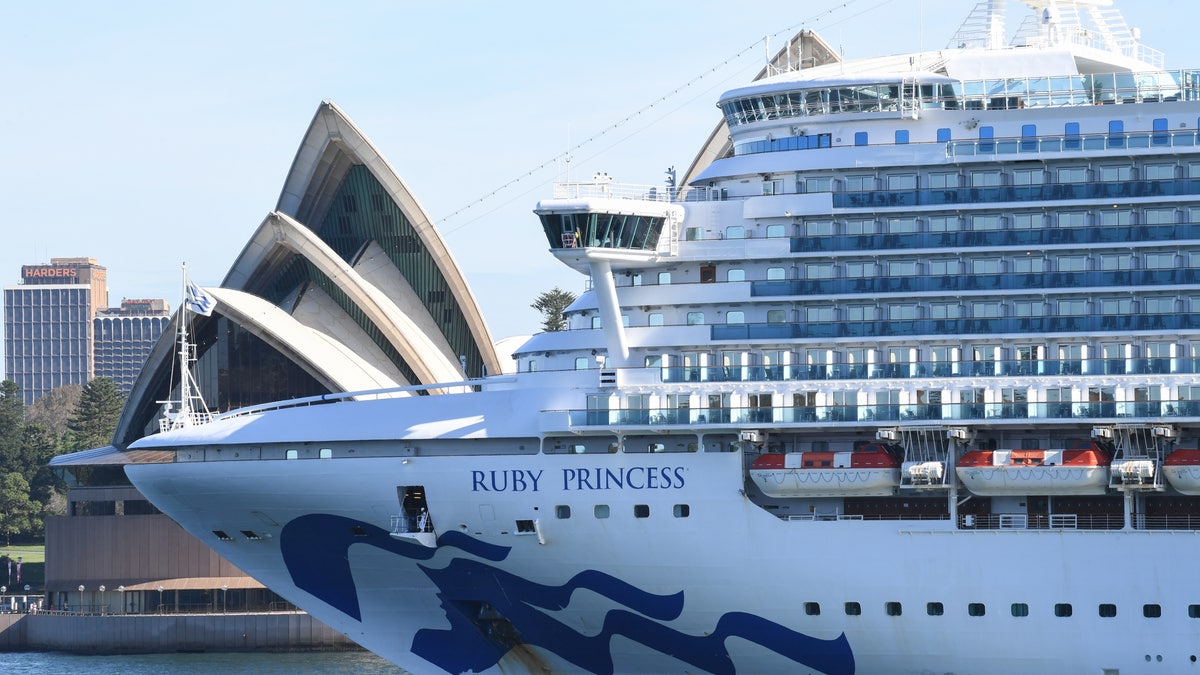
18	513
12	409
94	421
552	304
53	408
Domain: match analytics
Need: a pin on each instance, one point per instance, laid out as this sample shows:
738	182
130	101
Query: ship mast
190	409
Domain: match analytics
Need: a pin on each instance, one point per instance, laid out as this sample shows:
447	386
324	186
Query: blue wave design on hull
315	547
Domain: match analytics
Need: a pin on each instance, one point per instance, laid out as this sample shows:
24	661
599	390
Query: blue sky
144	134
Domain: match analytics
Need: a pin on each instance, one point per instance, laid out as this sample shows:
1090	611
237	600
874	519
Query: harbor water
323	663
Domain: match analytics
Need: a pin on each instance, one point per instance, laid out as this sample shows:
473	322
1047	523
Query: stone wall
132	634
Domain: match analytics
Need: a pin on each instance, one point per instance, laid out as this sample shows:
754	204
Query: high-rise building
58	329
48	324
124	337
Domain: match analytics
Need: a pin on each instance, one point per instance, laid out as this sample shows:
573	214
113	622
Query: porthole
934	609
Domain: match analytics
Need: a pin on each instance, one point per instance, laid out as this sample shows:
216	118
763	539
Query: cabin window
812	608
860	138
581	363
819	314
655	319
292	454
1062	609
1158	216
1072	263
904	181
735	274
860	183
776	231
695	318
1152	611
776	316
893	608
822	228
1020	609
775	273
855	609
1026	221
1073	219
597	323
943	135
600	511
1072	174
664	278
735	317
693	234
818	184
943	180
943	223
1113	174
641	510
860	226
1108	610
326	453
975	609
934	609
562	511
1194	611
682	510
901	136
708	274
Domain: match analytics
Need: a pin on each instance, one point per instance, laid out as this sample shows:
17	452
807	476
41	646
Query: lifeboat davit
1182	469
1082	470
869	472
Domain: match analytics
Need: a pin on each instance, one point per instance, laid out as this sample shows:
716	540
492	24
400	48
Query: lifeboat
1082	470
869	472
1182	469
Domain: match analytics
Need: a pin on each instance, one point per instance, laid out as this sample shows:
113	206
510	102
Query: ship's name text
627	478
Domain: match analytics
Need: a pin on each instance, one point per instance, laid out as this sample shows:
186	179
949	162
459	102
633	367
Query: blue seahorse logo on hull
315	548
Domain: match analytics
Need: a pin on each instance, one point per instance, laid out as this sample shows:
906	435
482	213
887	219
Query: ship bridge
599	226
602	220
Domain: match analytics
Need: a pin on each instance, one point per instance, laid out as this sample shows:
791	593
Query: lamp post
103	602
224	598
121	590
81	598
160	590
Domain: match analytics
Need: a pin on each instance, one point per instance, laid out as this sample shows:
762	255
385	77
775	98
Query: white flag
199	302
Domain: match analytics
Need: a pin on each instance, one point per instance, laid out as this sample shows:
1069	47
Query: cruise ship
903	380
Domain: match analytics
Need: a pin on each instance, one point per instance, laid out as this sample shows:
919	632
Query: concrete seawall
153	633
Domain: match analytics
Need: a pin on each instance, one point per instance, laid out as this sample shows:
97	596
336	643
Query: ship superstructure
905	382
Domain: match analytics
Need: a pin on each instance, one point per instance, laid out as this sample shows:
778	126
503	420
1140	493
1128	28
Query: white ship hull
727	577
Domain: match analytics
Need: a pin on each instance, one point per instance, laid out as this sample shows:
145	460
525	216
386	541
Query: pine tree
552	304
94	421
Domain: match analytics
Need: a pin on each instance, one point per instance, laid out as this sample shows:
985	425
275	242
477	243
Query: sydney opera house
344	286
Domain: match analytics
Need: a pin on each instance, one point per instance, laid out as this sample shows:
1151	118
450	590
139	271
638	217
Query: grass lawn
27	554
